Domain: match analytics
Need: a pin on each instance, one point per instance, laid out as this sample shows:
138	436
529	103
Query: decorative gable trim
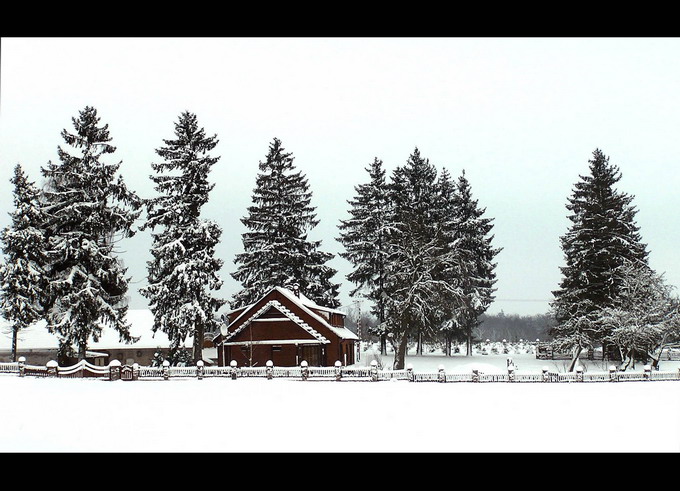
285	311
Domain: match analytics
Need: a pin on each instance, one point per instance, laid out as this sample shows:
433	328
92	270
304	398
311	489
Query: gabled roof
285	311
306	305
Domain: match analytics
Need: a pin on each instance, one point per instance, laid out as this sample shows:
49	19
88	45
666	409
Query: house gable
272	322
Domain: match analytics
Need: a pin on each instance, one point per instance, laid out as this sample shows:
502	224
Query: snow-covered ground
284	415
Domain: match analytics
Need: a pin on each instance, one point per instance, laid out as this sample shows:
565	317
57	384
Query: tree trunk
15	336
82	352
198	344
383	344
419	348
468	343
400	354
447	348
577	353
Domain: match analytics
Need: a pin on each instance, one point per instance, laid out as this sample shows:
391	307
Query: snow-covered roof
37	337
305	304
301	299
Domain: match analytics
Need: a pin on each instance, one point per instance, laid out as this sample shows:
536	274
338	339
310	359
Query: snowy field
290	416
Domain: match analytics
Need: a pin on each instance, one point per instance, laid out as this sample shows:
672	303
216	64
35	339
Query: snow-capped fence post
304	368
199	369
475	375
135	371
409	373
338	370
546	375
270	369
613	374
114	370
166	369
441	376
511	372
22	366
374	371
648	372
232	369
579	373
52	368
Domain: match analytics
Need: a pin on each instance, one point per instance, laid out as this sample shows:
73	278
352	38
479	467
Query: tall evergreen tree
363	236
277	251
184	269
419	293
22	275
87	208
446	214
602	236
474	242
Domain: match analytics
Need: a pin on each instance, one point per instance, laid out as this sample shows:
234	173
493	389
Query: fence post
22	366
475	375
52	368
613	374
114	370
374	371
579	373
409	373
546	376
270	369
232	369
166	369
338	371
441	376
135	371
199	369
648	372
511	371
305	370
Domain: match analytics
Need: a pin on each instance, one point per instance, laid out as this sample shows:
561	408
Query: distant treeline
513	327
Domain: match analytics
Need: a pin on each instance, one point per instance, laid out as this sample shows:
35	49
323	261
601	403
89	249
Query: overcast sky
521	116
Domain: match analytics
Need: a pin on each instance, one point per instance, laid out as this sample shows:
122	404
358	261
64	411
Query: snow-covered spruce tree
363	236
645	316
419	294
22	275
87	208
184	269
445	213
472	235
602	236
277	251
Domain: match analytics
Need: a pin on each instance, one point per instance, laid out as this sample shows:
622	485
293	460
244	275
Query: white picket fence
116	371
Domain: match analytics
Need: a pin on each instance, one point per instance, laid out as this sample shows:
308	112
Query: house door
311	354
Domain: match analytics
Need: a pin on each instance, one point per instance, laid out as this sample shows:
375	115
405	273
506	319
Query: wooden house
287	328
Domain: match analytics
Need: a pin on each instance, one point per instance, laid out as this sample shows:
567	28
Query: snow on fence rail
116	371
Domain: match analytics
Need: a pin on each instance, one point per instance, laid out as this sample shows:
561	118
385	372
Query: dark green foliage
277	251
363	236
184	269
602	236
87	208
22	273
